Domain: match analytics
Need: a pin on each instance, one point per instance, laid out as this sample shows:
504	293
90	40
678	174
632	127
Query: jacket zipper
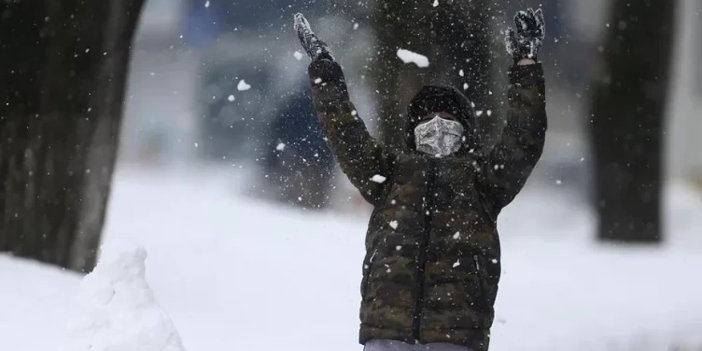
423	247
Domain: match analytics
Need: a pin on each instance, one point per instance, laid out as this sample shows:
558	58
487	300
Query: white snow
378	179
393	224
238	274
412	57
436	3
120	312
230	97
243	86
298	55
280	146
207	4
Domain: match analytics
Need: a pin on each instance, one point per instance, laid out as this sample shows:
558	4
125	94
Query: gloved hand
526	41
315	48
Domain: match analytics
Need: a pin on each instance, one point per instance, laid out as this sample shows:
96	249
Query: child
433	256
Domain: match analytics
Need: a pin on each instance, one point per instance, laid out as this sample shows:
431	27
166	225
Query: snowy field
239	274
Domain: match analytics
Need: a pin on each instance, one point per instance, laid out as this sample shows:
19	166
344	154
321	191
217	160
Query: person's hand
524	44
314	47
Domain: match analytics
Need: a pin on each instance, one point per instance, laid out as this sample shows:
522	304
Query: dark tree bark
455	36
63	69
630	95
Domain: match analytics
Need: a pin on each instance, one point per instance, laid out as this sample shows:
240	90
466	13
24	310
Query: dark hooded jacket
432	250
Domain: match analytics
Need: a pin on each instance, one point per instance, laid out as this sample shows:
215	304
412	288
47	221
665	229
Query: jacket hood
441	99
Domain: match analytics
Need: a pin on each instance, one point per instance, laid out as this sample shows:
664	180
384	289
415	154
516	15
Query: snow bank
120	312
35	302
412	57
238	274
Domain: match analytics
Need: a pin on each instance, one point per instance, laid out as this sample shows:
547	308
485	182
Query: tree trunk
63	69
455	36
630	95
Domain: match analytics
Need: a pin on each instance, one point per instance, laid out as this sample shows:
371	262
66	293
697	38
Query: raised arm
510	162
363	160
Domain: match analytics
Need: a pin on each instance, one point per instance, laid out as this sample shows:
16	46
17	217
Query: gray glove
527	40
315	48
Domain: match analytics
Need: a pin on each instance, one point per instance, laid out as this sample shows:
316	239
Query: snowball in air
230	97
412	57
243	86
436	3
393	224
378	179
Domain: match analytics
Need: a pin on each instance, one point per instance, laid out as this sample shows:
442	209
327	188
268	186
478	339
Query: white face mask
439	136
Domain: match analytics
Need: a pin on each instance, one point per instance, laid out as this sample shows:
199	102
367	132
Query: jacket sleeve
510	162
363	160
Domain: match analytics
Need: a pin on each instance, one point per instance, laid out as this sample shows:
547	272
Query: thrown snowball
378	179
412	57
393	224
242	86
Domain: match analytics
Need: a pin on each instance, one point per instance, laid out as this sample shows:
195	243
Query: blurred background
255	237
183	104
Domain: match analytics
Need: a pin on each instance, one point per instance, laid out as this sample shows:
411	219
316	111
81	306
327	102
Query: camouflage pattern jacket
433	256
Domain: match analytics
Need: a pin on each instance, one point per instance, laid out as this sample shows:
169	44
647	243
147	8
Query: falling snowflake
298	55
230	97
457	263
280	147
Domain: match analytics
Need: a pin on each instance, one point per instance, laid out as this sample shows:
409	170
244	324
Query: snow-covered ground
234	273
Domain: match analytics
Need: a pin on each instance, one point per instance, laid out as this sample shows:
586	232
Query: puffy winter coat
433	255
